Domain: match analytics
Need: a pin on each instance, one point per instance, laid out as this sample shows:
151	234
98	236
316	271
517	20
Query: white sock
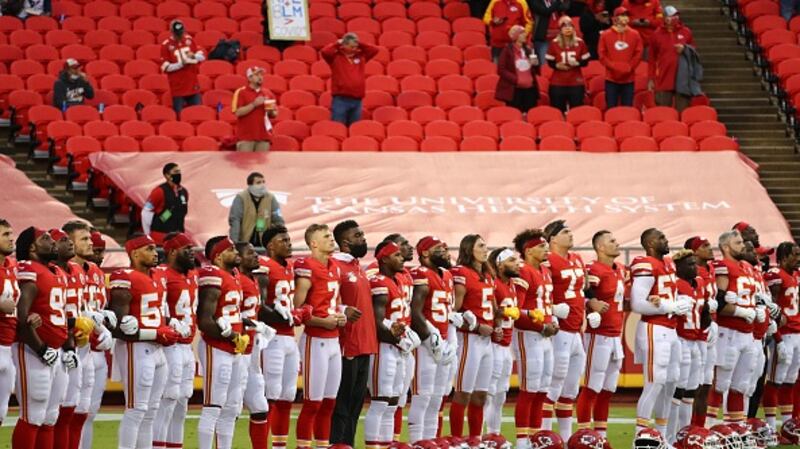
493	412
226	425
88	432
129	428
770	420
547	423
175	433
672	425
565	427
685	413
387	426
416	417
145	438
206	427
373	421
647	400
432	418
163	419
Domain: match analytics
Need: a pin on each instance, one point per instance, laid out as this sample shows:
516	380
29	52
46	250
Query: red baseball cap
620	11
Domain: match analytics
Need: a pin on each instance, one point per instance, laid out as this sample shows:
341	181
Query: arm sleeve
502	64
59	93
88	90
147	220
277	215
488	16
329	51
637	53
639	293
540	9
235	219
369	51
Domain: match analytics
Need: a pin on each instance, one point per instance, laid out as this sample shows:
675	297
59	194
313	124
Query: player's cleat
586	439
790	431
443	443
475	442
649	439
546	439
399	445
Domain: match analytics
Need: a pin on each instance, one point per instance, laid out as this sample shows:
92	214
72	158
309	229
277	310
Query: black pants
525	99
618	94
561	96
349	400
755	399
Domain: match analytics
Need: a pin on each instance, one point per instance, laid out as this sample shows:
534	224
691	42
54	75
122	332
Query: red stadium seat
360	143
479	67
639	143
434	24
309	83
547	129
284	143
9	24
199	143
438	144
158	84
294	99
759	8
678	143
100	130
349	11
137	129
395	39
149	52
478	143
41	83
264	53
771	38
517	143
455	10
214	128
669	128
421	83
119	84
660	114
301	53
20	102
632	128
121	144
438	68
329	128
367	24
10	54
157	114
431	39
369	128
503	114
426	114
25	38
39	117
420	10
410	52
118	114
374	67
467	39
599	144
455	82
401	69
293	128
217	98
592	128
413	98
81	146
320	143
136	9
159	143
542	114
480	128
448	52
622	114
97	39
707	128
290	69
61	38
215	68
137	38
317	10
58	133
329	24
383	82
386	10
451	99
81	114
464	114
169	10
377	98
177	130
719	143
312	114
118	53
230	82
517	128
389	114
405	128
462	24
580	114
82	53
443	128
399	143
694	114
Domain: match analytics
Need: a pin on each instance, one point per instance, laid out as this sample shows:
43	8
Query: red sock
441	417
258	433
322	423
714	402
24	436
45	438
76	429
305	423
457	419
769	399
537	411
735	406
475	419
398	423
796	401
279	420
601	406
785	399
522	413
586	401
566	408
62	427
547	408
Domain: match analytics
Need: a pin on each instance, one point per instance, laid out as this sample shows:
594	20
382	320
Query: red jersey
536	289
689	325
253	125
397	310
644	9
323	295
665	286
95	290
229	304
787	298
608	285
664	58
568	279
742	283
506	296
280	289
182	82
514	12
182	299
51	283
9	291
479	298
250	305
620	53
147	293
76	284
359	337
440	296
556	53
710	281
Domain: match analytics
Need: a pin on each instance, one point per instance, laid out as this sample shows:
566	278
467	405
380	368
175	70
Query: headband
504	255
387	250
532	242
57	234
696	242
221	246
138	242
177	242
558	227
97	240
38	232
741	226
427	243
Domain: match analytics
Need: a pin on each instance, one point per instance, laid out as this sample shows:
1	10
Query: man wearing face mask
666	45
72	86
253	211
166	207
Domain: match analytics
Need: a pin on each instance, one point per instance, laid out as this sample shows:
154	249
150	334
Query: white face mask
74	77
257	190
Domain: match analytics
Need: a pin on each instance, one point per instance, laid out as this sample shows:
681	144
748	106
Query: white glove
773	327
409	341
180	327
731	297
49	356
561	310
284	312
129	325
745	313
783	352
97	318
435	344
69	359
470	319
268	332
111	317
199	57
456	319
761	314
448	353
594	319
713	333
225	328
679	307
713	305
774	310
104	340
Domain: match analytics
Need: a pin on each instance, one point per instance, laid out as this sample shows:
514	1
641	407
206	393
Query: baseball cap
620	11
670	11
71	63
764	251
253	70
177	27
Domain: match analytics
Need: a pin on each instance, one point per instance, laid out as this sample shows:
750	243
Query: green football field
620	429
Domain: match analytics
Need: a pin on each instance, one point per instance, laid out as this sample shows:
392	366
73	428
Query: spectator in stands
594	19
789	9
500	16
72	86
253	211
26	8
253	105
347	58
179	59
545	28
666	46
566	55
620	51
516	67
645	17
166	207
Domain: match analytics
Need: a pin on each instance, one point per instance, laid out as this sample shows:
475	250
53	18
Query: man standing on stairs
666	46
167	206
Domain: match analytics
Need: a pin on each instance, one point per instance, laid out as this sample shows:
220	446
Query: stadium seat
312	114
149	52
478	52
377	98
447	52
58	132
347	11
467	39
169	10
121	144
413	98
10	24
420	10
707	128
555	128
284	143
82	53
157	114
478	143
480	128
422	83
118	114
329	24
639	143
137	129
389	114
42	53
116	24
119	84
81	114
387	10
478	67
622	114
215	129
100	130
455	10
694	114
669	128
542	114
39	117
406	128
435	24
218	99
678	143
78	146
135	9
438	68
97	39
719	143
264	53
581	114
317	10
374	67
464	114
455	82
25	38
230	82
383	82
301	53
199	143
367	24
41	83
10	54
360	143
430	39
468	24
517	143
517	128
177	130
450	99
289	69
61	38
399	143
329	128
402	68
426	114
320	143
443	128
438	144
592	128
309	83
292	128
598	144
503	114
137	38
159	143
659	114
631	128
369	128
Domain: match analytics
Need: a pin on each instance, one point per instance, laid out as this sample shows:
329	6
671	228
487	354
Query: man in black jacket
546	14
72	86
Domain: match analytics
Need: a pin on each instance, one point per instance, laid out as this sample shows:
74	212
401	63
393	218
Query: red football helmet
475	442
458	443
696	437
649	439
586	439
399	445
729	439
764	434
340	446
546	439
424	444
496	441
790	430
743	429
443	443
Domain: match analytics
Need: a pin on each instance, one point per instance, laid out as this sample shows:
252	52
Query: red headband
221	246
696	243
427	243
38	232
387	250
97	240
57	234
532	242
741	226
138	242
764	251
177	242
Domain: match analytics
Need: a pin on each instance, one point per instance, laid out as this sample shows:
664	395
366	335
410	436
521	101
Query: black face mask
176	178
358	251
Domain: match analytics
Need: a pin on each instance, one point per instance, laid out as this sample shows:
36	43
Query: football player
606	281
569	357
317	284
9	295
137	301
219	319
430	315
761	330
387	367
474	300
39	351
532	343
98	248
785	354
654	295
181	304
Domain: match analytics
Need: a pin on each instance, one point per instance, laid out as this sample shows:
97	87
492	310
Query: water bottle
101	108
219	107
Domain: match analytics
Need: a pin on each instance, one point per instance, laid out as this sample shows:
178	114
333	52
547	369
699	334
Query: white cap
670	11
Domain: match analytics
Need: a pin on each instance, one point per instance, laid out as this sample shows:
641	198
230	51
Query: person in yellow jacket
500	16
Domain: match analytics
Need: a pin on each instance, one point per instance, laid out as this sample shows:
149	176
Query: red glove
166	336
302	314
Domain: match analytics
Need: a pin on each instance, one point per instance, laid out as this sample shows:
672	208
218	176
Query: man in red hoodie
666	46
347	58
620	51
500	16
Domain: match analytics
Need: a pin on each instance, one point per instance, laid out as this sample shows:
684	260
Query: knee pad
135	414
172	392
560	367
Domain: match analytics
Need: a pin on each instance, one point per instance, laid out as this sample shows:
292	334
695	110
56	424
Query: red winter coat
663	56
